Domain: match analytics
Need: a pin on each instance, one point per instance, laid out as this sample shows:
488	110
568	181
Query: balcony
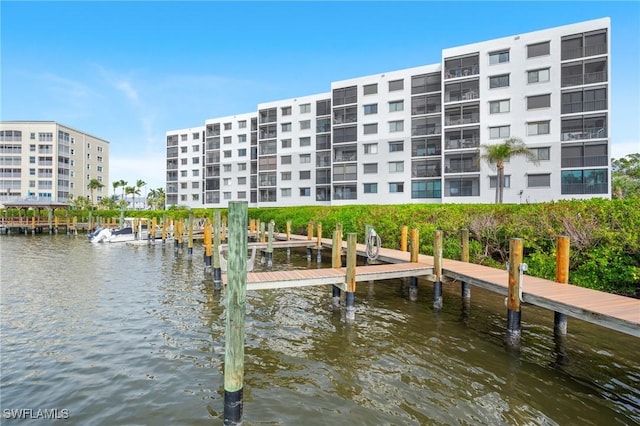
580	134
591	161
456	120
461	71
583	188
586	78
573	107
458	96
462	143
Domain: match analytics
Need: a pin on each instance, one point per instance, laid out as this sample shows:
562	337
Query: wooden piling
513	298
55	223
310	231
351	276
465	288
217	269
190	241
164	230
403	238
336	262
207	245
288	230
50	220
236	301
562	277
270	245
437	269
263	236
319	243
152	232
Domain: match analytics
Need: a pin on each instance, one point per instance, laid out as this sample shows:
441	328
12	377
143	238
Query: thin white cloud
128	90
624	148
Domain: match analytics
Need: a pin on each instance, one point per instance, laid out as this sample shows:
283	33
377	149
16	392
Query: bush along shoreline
605	234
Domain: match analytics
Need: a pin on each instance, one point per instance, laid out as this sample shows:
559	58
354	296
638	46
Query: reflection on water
122	334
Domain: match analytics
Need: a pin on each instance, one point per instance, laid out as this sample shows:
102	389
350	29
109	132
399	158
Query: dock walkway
605	309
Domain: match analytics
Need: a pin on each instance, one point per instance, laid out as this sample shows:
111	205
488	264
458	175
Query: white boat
124	234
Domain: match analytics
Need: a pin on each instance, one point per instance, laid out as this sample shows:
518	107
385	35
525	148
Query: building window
285	192
242	180
285	159
242	195
538	49
493	180
396	106
370	129
183	173
183	149
538	128
195	172
370	168
499	81
195	160
286	110
370	109
538	101
306	141
226	139
539	181
396	126
497	107
305	158
305	192
305	124
285	176
226	195
242	152
396	187
541	154
396	85
195	148
370	89
195	185
227	126
499	132
242	167
227	154
99	168
195	197
286	143
241	138
396	166
499	57
305	108
538	76
305	175
346	95
397	146
226	181
286	127
242	124
584	181
371	148
226	167
370	188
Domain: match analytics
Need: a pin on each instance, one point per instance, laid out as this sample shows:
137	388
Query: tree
156	198
132	190
625	176
115	184
93	185
497	154
139	184
123	184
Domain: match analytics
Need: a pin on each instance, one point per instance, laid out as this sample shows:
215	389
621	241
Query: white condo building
415	135
49	161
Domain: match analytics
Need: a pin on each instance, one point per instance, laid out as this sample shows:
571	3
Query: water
119	334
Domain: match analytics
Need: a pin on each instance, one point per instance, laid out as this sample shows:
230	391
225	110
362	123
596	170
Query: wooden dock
605	309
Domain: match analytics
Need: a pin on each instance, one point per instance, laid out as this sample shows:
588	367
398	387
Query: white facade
416	135
47	160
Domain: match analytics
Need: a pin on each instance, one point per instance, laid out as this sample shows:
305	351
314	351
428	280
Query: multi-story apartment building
416	135
47	160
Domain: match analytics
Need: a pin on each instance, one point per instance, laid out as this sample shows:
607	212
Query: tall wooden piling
336	262
164	230
513	297
217	269
236	300
270	245
55	224
562	277
190	241
207	246
319	243
152	231
403	238
310	231
413	257
437	269
351	277
465	288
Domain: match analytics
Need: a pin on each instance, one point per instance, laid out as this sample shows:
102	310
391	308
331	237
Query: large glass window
346	95
538	49
592	181
538	76
499	57
538	101
497	81
426	189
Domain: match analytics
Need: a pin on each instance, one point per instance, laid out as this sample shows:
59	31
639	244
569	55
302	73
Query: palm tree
156	198
123	184
139	184
497	154
115	184
94	184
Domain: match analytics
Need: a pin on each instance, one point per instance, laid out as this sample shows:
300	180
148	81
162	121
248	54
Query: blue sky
128	72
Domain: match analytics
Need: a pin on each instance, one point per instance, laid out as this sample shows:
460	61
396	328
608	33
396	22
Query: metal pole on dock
403	238
336	262
319	243
415	247
562	277
351	277
465	288
236	300
217	269
270	245
437	267
513	298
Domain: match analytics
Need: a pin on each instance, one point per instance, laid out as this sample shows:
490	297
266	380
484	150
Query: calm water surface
120	334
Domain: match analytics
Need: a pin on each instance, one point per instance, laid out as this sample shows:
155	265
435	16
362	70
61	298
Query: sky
128	72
